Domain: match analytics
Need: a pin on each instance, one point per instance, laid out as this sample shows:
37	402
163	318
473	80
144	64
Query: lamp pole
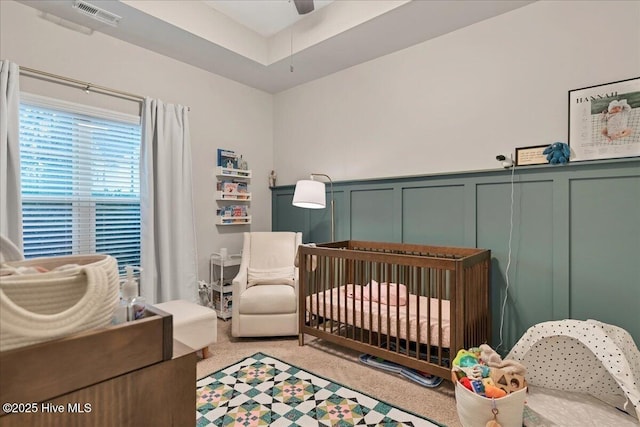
333	231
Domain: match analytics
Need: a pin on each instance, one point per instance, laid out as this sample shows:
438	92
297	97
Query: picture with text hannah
604	121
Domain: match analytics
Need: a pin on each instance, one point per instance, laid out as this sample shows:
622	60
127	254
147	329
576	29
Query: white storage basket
476	411
39	307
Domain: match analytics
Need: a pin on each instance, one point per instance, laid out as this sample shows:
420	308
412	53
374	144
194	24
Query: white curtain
168	245
10	198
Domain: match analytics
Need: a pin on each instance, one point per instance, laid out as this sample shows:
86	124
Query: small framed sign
531	155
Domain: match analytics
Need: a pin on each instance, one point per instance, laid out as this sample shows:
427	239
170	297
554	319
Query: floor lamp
311	194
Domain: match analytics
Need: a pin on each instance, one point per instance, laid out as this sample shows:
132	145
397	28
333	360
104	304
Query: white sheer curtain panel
10	198
168	245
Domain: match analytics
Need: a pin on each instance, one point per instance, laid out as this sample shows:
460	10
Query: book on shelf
242	188
228	186
233	211
227	158
232	186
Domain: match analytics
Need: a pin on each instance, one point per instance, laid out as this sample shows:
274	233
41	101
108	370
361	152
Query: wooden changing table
133	374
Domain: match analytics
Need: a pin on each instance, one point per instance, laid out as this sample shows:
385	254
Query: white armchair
265	291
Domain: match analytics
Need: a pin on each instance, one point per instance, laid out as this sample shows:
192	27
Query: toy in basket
46	298
490	392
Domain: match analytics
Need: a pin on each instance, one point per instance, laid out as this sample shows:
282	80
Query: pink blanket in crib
339	304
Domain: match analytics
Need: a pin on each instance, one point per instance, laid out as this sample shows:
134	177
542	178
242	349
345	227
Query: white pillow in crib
271	276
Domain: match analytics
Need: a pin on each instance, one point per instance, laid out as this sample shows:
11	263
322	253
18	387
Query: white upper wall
224	114
453	103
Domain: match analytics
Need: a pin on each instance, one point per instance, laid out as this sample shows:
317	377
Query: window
80	180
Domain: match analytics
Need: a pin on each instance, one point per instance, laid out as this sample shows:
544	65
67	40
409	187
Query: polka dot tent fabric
585	357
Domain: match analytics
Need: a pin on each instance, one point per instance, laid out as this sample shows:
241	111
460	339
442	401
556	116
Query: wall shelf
233	196
233	173
232	189
233	220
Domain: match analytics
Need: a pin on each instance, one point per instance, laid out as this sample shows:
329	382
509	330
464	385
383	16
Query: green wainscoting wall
575	245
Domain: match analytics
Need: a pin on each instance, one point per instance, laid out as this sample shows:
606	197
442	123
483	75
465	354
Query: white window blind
80	180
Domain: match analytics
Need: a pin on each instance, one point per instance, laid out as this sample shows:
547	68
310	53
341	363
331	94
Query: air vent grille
97	13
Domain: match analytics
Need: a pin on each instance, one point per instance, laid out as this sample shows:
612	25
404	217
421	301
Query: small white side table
221	291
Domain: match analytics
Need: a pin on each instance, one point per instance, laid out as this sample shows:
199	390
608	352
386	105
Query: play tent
587	357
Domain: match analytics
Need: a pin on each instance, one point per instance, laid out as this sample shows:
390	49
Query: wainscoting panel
373	214
285	216
605	251
315	224
527	257
574	248
434	215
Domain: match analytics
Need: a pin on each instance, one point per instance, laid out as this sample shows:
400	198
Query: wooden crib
414	305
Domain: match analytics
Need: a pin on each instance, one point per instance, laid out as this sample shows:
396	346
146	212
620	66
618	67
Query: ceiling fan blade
303	6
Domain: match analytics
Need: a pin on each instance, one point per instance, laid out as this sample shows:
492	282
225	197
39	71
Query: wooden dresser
132	374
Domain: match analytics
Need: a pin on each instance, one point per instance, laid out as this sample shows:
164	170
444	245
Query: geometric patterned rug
264	391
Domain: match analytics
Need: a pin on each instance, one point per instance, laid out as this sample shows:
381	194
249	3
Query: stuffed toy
491	358
558	152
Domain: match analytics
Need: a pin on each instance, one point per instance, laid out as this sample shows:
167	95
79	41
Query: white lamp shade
309	194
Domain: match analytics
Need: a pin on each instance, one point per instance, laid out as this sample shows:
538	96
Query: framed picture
531	155
604	121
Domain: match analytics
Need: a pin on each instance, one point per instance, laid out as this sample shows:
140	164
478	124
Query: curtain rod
88	86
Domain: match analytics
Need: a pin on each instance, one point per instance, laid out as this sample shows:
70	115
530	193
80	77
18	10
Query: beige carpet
340	365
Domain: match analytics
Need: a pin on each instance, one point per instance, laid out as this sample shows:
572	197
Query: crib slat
419	279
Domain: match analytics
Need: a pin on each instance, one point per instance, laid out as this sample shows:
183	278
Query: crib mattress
337	305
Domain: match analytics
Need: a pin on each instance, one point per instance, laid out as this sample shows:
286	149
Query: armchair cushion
268	299
271	276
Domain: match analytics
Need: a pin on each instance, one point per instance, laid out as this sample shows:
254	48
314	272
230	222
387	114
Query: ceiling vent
97	13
